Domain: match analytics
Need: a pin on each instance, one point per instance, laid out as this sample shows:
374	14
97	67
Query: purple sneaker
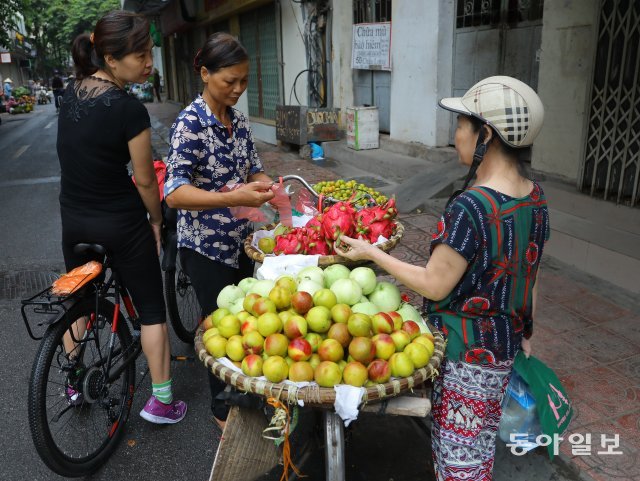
159	413
74	398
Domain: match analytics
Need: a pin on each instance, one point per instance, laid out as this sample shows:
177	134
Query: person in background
480	283
212	148
156	84
100	130
8	88
58	89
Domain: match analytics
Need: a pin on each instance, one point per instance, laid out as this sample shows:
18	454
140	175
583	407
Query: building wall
566	68
421	56
293	52
341	39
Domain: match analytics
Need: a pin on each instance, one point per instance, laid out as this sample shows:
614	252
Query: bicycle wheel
182	304
76	418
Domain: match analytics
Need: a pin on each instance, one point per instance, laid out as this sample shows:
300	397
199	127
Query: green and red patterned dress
484	320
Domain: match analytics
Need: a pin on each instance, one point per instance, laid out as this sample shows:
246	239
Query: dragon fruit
381	228
373	222
302	235
364	219
315	222
339	220
316	243
288	244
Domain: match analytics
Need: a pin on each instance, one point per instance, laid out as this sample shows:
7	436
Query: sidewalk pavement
585	329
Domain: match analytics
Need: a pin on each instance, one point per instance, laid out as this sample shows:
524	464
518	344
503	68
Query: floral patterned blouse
502	238
205	154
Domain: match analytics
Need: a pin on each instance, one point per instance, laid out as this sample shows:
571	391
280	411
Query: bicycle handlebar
326	198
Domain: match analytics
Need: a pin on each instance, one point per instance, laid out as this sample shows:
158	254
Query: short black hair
219	51
522	155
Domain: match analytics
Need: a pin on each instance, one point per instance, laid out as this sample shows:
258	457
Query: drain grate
22	284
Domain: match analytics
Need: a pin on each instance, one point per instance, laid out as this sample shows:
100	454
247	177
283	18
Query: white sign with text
371	46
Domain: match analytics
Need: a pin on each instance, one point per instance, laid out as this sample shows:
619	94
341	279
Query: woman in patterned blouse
212	148
480	281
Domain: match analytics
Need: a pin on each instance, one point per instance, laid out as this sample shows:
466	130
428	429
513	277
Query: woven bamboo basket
316	395
324	261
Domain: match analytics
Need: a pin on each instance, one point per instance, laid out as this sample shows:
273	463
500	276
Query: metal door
258	35
611	168
372	87
495	37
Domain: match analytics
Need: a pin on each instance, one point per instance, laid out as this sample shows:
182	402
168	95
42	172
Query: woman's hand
526	347
157	228
253	194
360	250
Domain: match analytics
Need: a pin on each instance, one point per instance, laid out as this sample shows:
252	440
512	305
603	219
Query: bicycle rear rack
49	307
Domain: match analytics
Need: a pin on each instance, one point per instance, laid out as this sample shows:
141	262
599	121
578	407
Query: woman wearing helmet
480	284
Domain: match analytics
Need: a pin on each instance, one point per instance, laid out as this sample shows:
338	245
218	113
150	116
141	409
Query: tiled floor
591	343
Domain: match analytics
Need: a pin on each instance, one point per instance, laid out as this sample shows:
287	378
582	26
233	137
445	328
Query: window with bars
258	35
611	167
477	13
368	11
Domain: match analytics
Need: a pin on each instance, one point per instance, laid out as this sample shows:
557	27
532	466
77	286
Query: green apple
319	319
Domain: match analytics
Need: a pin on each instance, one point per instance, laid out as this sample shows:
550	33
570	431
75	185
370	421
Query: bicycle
183	307
80	397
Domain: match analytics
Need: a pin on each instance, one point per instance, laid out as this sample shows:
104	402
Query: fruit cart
246	426
243	437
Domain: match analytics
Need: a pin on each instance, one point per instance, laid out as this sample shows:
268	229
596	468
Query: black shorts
130	243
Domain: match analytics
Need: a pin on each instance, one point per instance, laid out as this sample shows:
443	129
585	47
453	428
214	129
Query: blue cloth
7	90
205	155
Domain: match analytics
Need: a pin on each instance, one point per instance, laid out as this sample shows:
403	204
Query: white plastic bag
519	424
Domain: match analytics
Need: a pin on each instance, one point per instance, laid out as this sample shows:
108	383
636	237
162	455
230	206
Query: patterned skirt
466	412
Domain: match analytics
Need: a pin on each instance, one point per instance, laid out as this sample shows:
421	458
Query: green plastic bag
553	405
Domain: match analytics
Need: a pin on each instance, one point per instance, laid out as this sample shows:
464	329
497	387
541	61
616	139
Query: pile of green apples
330	326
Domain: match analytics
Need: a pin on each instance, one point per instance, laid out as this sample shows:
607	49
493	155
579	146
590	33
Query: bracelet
155	223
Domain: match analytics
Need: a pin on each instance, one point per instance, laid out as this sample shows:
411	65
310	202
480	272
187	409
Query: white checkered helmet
510	106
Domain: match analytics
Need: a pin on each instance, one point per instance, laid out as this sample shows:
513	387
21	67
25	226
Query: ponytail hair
117	33
82	53
219	51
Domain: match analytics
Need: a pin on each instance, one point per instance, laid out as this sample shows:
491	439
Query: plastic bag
306	204
265	213
519	415
282	203
253	214
161	171
553	405
317	152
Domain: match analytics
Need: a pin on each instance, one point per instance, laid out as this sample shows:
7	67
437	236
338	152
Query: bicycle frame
58	307
119	294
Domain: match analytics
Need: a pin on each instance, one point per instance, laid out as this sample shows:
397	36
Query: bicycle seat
83	248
